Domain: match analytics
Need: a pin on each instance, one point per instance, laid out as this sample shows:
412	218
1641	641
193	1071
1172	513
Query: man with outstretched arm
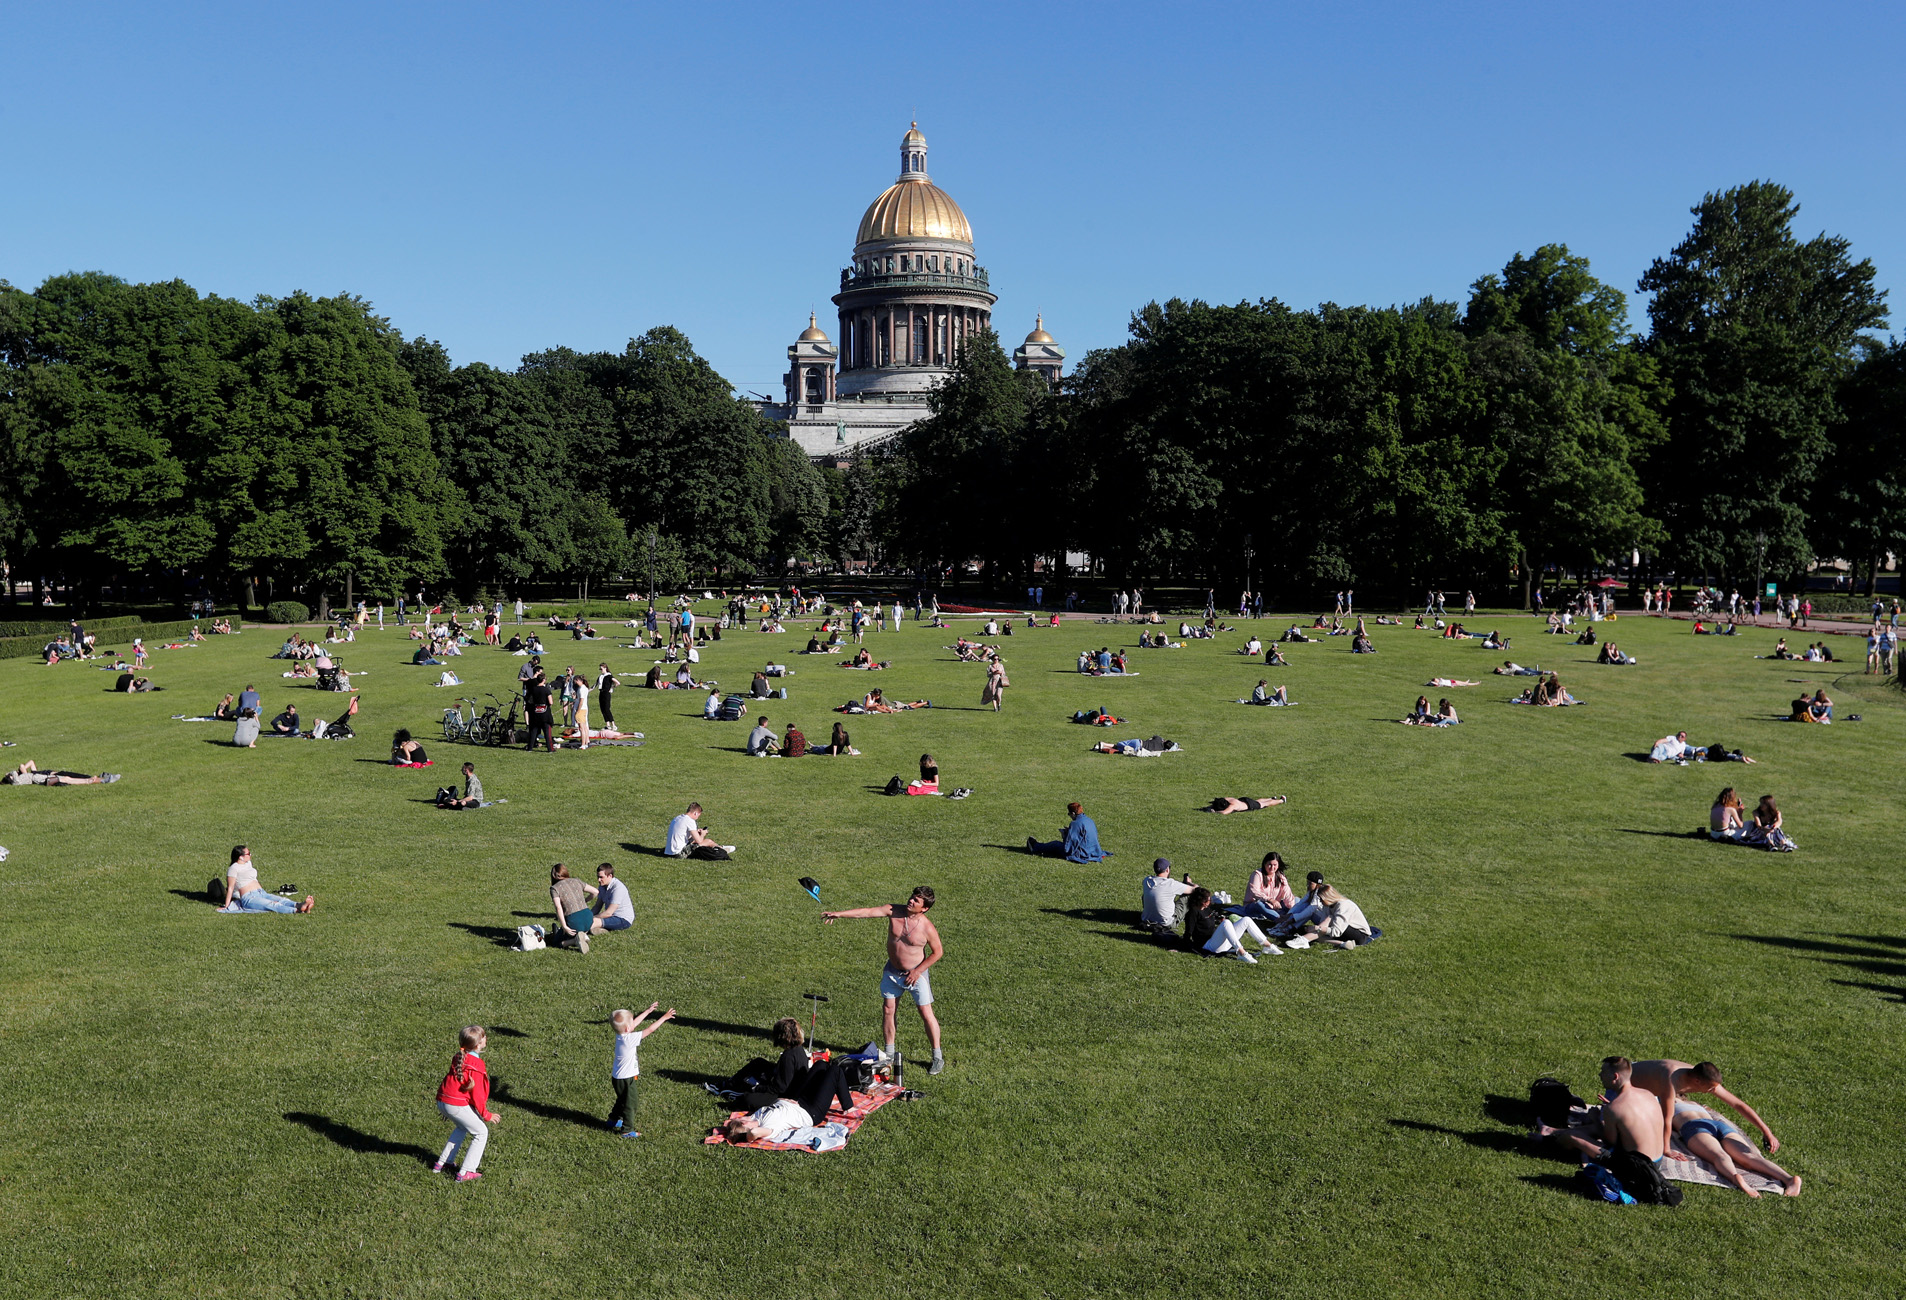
1668	1080
913	945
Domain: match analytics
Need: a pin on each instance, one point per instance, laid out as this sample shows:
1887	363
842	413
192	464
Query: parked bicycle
459	721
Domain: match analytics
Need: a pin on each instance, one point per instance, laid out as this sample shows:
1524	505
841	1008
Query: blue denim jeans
257	900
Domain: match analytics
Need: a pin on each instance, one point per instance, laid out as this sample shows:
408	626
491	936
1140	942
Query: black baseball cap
1160	864
1314	878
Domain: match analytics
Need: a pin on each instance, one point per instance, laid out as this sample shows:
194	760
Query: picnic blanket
1696	1170
819	1137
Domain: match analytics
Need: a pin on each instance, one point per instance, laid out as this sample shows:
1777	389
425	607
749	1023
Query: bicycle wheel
479	731
452	727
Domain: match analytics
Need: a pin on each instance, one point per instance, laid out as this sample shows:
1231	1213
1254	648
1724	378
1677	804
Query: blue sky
508	177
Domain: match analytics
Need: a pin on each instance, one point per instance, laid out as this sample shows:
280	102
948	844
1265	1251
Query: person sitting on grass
133	685
1267	895
1445	714
27	774
1612	654
1253	647
1341	923
1726	820
1162	905
839	744
1630	1120
405	751
929	782
1209	930
1264	693
794	743
1360	645
1272	659
1224	805
423	656
1820	708
611	905
1672	749
1587	637
243	893
686	839
875	702
472	791
1495	641
761	741
1293	634
1079	842
1766	831
796	1076
574	918
1419	714
226	710
1780	650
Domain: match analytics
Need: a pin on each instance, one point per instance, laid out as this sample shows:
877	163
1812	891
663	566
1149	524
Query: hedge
54	629
286	611
30	647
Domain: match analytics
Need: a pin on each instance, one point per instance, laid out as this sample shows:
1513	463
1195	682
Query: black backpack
215	891
898	785
1641	1179
1551	1100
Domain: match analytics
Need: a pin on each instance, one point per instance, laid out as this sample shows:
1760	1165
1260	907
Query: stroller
328	680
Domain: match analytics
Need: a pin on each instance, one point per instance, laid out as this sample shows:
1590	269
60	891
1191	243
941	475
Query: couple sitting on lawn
583	910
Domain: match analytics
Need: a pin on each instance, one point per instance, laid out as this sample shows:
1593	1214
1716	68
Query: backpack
444	795
215	891
1551	1100
1641	1179
1602	1185
898	785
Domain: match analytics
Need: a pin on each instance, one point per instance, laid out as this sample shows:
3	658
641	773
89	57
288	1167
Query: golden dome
913	135
813	332
914	209
1039	334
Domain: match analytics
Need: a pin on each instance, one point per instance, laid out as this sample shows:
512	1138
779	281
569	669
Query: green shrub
118	637
286	611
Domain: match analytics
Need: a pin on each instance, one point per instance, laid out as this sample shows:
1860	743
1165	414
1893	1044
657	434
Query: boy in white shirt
623	1067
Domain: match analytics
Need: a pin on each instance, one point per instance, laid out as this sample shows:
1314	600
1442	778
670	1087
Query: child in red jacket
464	1099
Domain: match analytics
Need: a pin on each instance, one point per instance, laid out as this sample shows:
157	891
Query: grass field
206	1105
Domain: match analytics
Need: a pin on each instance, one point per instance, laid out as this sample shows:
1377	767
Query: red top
473	1092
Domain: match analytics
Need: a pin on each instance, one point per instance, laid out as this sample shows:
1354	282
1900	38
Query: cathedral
908	302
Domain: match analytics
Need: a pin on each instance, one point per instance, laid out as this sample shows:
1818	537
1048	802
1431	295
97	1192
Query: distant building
911	298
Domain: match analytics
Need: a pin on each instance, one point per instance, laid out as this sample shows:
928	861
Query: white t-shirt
244	878
623	1064
614	901
782	1118
1161	896
580	690
678	835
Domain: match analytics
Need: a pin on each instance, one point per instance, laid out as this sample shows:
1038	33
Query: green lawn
207	1105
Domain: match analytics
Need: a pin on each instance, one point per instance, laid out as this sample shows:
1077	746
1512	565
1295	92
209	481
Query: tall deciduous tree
1754	329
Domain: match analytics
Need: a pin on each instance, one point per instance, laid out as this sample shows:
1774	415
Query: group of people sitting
518	644
1648	1117
1146	641
583	910
1811	708
1444	715
1728	820
793	1094
1185	915
1547	692
1104	663
1730	628
875	701
1613	654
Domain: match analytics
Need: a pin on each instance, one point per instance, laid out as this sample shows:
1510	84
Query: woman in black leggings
605	696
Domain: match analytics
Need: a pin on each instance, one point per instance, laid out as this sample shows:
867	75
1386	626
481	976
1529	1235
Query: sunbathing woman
875	702
1726	820
28	774
1716	1140
1451	681
1224	805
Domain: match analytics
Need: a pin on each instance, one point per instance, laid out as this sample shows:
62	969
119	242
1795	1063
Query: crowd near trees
302	445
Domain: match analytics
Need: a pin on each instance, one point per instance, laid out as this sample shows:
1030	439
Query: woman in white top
579	691
1342	923
244	894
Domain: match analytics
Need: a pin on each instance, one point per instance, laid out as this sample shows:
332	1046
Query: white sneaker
1244	956
1301	941
1271	950
728	848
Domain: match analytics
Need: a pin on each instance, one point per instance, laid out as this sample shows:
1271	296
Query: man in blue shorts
910	936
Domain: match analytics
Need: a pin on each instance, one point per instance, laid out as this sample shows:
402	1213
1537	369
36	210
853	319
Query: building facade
910	298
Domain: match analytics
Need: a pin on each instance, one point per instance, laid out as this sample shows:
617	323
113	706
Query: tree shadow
1896	992
548	1110
1132	936
1108	915
1011	848
695	1078
1859	949
357	1140
501	936
1890	941
1570	1184
725	1027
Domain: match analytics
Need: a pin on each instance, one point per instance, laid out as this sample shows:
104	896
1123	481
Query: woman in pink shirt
1268	896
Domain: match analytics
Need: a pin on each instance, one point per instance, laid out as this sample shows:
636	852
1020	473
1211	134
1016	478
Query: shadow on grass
356	1139
1666	835
724	1027
1487	1139
1013	848
191	895
501	935
695	1078
1896	992
548	1110
1571	1184
654	851
1108	915
1890	941
1131	936
505	1031
1872	960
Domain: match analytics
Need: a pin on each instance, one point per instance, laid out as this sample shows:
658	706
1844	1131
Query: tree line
153	434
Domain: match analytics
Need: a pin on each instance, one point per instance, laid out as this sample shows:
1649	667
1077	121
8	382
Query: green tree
598	539
1860	499
1754	329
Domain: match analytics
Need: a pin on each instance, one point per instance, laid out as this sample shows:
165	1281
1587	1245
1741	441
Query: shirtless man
909	936
1631	1117
1668	1080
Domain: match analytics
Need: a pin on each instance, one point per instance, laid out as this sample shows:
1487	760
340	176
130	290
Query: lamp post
1248	554
1760	562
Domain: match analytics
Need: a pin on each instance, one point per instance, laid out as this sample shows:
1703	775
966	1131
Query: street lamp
1248	553
1760	562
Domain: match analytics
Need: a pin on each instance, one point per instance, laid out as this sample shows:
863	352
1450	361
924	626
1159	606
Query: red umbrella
1610	582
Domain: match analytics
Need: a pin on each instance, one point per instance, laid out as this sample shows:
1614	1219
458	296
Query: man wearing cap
1164	908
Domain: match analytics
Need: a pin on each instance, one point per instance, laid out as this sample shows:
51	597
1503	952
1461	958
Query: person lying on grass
875	702
1510	668
243	893
1293	634
27	774
1710	1137
1451	681
1224	805
1671	749
1669	1081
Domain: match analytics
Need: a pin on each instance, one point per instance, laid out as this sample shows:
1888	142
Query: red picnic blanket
865	1104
